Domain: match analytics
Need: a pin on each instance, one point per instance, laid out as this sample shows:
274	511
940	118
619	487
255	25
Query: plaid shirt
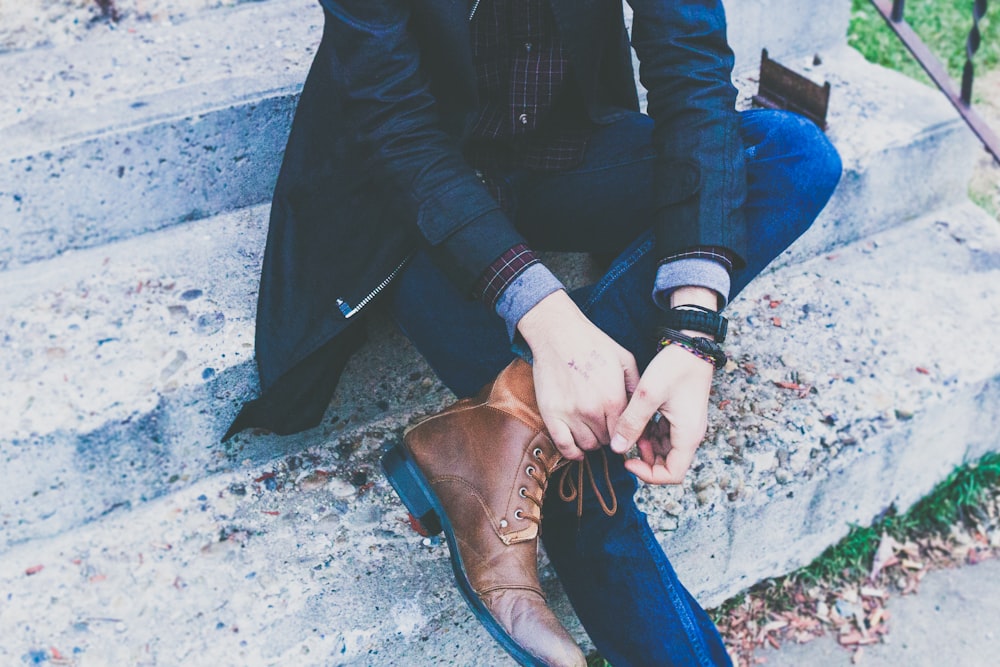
528	116
522	73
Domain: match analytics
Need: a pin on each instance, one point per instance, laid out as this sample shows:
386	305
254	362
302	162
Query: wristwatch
696	318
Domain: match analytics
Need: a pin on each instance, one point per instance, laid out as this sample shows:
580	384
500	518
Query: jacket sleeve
402	138
686	65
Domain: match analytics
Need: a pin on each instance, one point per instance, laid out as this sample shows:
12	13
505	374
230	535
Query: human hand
675	385
582	377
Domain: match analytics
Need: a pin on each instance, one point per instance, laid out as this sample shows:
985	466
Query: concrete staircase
135	167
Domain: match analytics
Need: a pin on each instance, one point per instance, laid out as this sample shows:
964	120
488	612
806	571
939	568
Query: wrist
546	316
693	295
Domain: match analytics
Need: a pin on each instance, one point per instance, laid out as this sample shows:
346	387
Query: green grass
956	499
942	24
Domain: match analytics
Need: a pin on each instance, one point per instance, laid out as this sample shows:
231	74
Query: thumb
632	423
631	374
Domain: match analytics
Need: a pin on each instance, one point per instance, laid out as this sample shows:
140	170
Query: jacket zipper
349	312
345	307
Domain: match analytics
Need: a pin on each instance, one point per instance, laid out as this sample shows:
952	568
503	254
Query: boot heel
412	488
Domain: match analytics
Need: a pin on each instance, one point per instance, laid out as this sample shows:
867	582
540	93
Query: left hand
676	384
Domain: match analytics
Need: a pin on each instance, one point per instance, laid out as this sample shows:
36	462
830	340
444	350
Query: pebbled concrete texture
299	549
145	128
118	311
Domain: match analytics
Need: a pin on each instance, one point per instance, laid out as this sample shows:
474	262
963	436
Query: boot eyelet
537	452
518	514
503	523
530	470
522	492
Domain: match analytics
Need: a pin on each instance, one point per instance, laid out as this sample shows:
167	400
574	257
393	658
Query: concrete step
138	353
309	557
112	354
160	123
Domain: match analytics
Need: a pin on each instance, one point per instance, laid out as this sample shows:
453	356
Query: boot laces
571	489
570	485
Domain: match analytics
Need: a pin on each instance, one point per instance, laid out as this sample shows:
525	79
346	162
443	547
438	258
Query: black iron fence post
892	11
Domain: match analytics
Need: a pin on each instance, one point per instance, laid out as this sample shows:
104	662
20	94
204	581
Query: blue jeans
615	573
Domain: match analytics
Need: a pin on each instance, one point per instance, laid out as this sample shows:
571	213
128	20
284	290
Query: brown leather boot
479	470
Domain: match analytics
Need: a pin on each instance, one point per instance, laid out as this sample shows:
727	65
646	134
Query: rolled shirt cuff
523	293
691	272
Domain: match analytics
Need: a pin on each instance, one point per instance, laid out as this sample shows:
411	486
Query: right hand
582	377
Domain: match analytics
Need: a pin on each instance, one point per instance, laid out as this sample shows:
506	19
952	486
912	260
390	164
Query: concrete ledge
310	557
177	367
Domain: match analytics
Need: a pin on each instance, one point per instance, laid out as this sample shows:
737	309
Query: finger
654	473
631	374
633	421
562	437
585	438
677	464
613	409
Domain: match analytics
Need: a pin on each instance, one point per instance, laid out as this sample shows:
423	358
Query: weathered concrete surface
952	621
905	150
124	364
135	130
159	123
181	366
310	555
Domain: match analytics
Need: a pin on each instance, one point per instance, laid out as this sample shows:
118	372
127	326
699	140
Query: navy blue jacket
374	168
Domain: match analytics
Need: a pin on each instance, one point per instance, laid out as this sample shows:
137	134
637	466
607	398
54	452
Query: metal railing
892	11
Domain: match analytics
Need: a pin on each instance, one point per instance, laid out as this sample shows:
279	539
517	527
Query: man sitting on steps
437	145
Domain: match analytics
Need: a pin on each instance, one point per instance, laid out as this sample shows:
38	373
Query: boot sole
418	497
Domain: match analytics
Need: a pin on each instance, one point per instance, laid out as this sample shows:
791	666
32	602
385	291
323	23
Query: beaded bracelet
703	348
698	353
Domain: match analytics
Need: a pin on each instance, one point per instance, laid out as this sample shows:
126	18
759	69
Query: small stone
903	415
209	323
720	441
705	481
673	507
175	365
847	439
340	489
312	481
783	457
706	496
191	294
178	312
782	476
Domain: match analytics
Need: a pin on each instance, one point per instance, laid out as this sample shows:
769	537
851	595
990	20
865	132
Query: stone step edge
717	548
226	158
